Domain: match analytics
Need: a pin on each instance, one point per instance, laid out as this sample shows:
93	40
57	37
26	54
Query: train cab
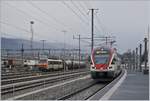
104	63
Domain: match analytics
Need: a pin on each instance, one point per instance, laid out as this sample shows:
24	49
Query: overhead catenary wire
85	41
40	21
83	7
8	35
81	19
25	13
19	28
85	15
88	6
102	28
14	26
78	9
47	14
37	36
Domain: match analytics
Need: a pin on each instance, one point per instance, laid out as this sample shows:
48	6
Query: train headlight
110	67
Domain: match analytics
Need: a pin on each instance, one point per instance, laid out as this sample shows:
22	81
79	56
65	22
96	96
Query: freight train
105	63
58	64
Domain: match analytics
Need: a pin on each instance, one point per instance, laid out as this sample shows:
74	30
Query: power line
10	35
23	12
101	25
74	12
79	9
19	28
37	36
85	41
89	6
44	12
84	15
82	6
15	26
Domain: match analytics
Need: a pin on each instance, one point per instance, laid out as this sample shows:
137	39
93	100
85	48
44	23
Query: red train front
104	62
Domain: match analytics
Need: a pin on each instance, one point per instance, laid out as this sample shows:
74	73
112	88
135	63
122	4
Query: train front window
101	59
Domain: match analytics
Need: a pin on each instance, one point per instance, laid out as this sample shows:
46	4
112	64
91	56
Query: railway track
82	90
79	88
35	77
34	73
14	87
92	89
16	75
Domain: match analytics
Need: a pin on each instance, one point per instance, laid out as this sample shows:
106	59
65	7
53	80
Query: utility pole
43	44
140	57
79	38
31	44
92	28
22	53
49	52
106	40
146	71
145	52
65	68
111	43
130	59
79	52
133	56
136	58
64	31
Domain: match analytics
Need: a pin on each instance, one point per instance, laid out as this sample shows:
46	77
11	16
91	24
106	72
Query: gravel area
59	91
6	96
38	73
87	93
37	76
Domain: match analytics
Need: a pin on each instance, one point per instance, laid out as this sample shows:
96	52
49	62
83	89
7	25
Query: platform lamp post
22	53
31	43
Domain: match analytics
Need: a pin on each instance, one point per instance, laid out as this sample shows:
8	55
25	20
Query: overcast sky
127	20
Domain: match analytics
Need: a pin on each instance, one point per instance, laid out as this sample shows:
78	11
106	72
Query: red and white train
105	63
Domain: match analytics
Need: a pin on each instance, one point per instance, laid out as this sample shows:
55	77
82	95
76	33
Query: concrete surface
134	87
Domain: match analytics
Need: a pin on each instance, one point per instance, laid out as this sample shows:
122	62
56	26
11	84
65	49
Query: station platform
134	87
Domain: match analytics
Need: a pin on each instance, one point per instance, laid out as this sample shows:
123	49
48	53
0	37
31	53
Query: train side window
49	62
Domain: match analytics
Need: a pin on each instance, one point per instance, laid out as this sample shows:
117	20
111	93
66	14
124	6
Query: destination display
101	52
